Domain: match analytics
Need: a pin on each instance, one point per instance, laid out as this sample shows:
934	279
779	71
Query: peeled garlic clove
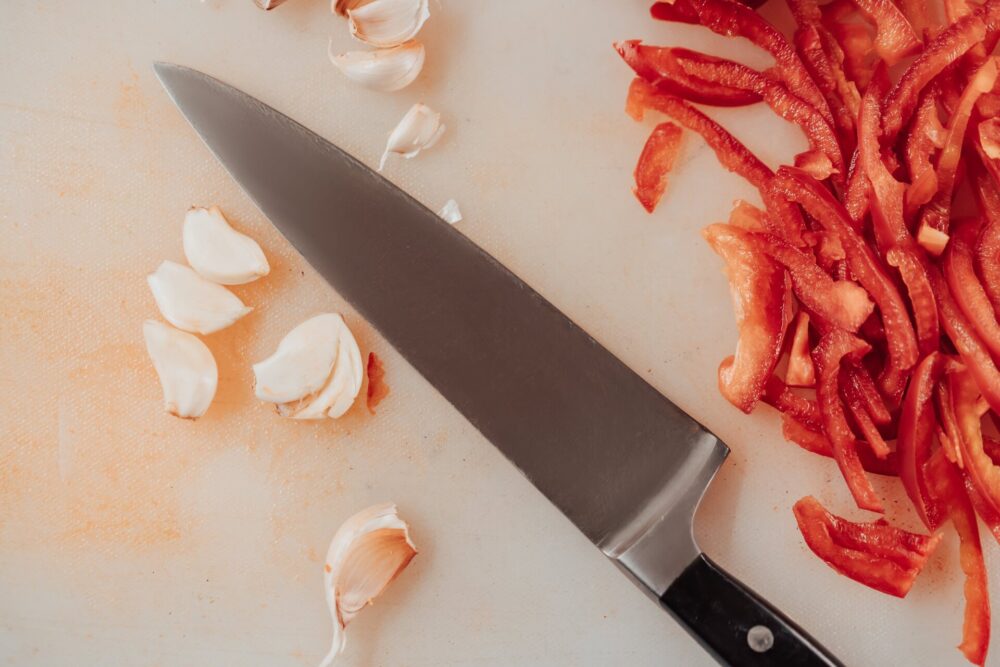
419	129
385	23
338	394
303	361
367	552
341	6
450	212
220	253
190	302
186	369
384	69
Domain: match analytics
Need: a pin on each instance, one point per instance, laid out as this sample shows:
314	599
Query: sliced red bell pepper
864	386
801	371
797	186
655	162
661	67
895	38
984	509
747	216
760	288
984	474
856	406
913	271
917	425
940	52
926	136
963	336
856	196
948	433
946	487
988	261
876	554
855	40
832	349
783	399
815	163
959	270
917	12
816	442
785	220
377	388
937	213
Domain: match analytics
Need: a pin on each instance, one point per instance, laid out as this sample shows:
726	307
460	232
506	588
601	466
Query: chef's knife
626	465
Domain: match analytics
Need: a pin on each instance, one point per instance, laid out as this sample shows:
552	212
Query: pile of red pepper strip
885	303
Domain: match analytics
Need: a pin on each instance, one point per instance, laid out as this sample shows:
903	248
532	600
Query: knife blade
622	462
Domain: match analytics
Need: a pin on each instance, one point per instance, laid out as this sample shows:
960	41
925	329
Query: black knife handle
736	625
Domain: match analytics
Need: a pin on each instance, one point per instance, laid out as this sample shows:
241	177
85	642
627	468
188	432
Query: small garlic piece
218	252
190	302
450	212
384	23
186	369
341	388
384	69
419	129
366	554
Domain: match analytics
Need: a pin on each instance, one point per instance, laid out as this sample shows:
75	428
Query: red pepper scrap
655	162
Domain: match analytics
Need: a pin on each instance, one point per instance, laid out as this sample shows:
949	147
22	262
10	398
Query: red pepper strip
777	96
841	303
918	287
988	260
856	197
876	554
815	163
916	12
760	288
946	486
747	216
984	474
961	275
873	402
985	510
949	435
660	67
779	396
916	432
862	419
940	52
832	349
729	18
854	40
895	38
814	441
801	371
925	136
817	200
963	336
786	221
937	213
655	162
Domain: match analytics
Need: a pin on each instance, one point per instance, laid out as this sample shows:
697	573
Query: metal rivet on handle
760	638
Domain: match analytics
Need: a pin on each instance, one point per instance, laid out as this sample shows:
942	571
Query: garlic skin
185	366
386	23
341	388
450	212
220	253
367	552
385	69
419	129
190	302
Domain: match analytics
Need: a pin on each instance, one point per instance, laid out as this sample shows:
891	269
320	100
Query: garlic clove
384	69
385	23
419	129
366	554
218	252
450	212
341	6
338	394
303	361
190	302
185	366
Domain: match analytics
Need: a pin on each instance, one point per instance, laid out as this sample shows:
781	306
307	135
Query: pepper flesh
877	555
761	293
801	371
917	423
655	162
895	38
985	475
959	270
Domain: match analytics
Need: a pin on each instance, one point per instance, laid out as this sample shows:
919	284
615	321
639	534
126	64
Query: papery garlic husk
316	370
386	23
185	366
343	386
450	212
384	69
341	6
368	551
419	129
220	253
191	302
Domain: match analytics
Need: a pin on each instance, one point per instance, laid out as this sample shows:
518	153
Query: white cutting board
130	537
